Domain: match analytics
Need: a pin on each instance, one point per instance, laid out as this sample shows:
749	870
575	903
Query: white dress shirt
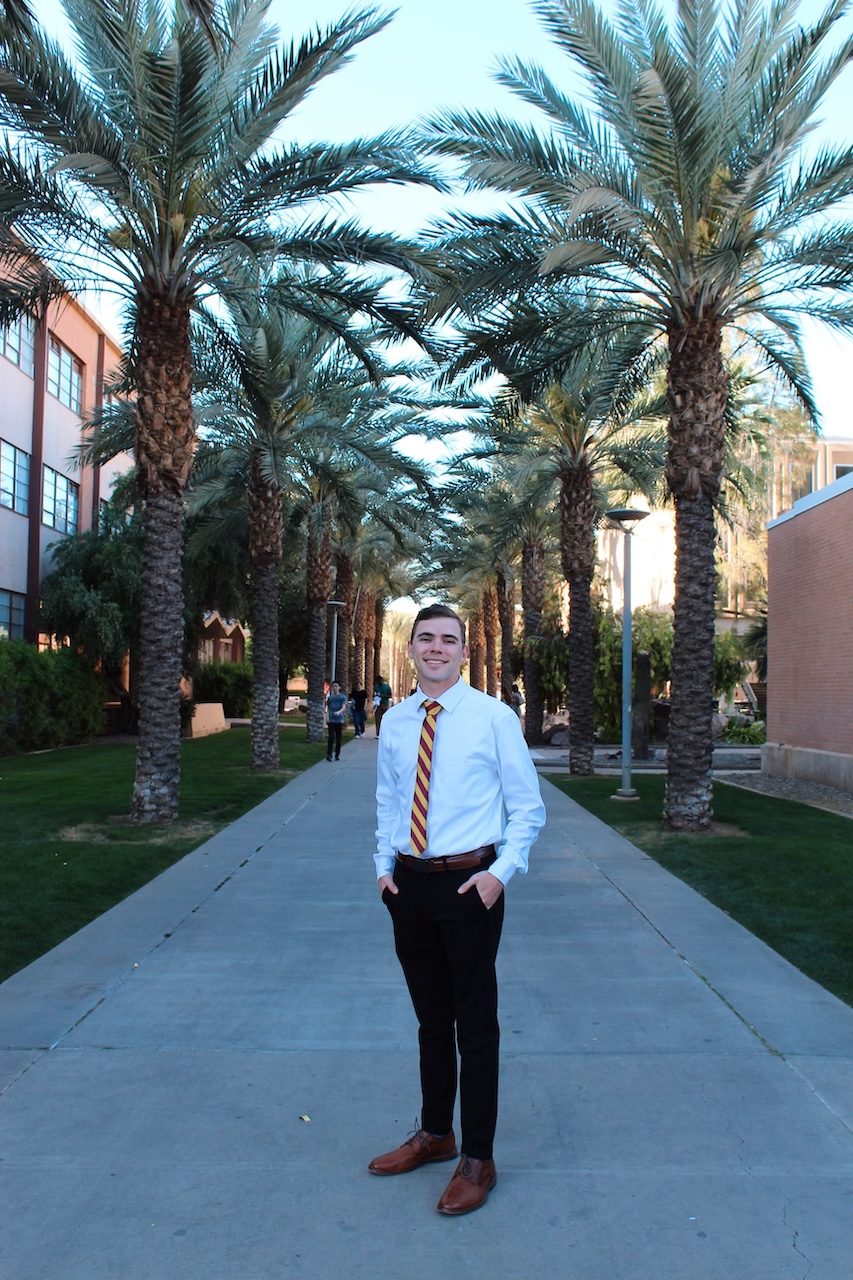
483	784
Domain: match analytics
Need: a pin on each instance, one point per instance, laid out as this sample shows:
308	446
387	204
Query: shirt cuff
384	865
503	868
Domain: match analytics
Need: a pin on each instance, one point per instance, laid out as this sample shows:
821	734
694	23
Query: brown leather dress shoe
421	1148
469	1186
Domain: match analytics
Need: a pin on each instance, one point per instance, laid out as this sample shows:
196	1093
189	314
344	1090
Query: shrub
227	682
651	633
51	699
751	735
729	665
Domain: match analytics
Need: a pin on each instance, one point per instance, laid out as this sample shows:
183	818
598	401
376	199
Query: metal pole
625	518
626	791
335	605
334	660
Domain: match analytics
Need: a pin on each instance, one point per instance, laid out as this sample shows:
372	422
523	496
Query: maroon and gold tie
420	805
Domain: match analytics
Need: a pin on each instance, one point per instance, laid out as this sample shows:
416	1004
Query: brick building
51	379
810	631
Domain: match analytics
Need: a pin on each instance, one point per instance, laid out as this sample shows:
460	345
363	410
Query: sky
443	53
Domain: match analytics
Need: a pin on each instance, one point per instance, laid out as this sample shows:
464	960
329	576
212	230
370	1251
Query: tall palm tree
686	198
261	399
592	430
145	164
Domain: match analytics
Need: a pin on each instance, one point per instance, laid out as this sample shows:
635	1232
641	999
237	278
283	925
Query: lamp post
626	518
334	604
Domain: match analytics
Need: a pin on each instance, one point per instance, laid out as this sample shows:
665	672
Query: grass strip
782	869
68	850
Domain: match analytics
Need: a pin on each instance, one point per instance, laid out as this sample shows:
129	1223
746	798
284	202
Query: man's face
336	688
437	651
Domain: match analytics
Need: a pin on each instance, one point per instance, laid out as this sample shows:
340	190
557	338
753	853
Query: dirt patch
115	827
726	829
648	832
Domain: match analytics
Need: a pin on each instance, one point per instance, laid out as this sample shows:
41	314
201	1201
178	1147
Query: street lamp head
335	604
626	517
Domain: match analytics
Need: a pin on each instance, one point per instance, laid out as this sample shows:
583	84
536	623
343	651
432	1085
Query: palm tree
686	200
145	164
261	403
591	431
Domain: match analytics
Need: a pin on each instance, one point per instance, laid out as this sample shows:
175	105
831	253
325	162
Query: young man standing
458	808
336	713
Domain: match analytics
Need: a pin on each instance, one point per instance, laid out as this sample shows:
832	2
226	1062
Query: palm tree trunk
164	447
491	626
265	664
370	660
697	390
265	550
581	678
318	584
577	551
161	636
506	612
358	639
317	617
687	804
378	637
477	648
532	603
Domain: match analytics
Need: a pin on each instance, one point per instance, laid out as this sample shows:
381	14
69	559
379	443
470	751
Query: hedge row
51	699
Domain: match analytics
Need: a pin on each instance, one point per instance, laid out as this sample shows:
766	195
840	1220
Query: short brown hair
438	611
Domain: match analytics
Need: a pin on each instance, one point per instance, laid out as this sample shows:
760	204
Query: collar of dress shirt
449	699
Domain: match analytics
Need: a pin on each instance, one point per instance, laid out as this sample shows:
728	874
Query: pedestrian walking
383	692
358	699
336	711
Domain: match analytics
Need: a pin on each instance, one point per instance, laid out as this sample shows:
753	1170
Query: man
458	808
336	713
381	690
359	712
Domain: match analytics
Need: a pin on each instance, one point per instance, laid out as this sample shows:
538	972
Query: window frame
18	344
17	604
60	495
15	465
64	375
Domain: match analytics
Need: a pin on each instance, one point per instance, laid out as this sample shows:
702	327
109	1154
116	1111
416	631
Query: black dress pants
447	943
334	740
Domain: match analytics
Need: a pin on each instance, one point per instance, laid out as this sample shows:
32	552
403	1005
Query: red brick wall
810	617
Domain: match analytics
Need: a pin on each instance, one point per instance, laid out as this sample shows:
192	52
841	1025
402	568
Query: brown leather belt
453	861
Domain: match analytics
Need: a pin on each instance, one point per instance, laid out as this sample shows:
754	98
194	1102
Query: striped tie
421	801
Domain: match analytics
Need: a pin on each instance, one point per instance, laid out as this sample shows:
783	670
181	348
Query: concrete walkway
195	1082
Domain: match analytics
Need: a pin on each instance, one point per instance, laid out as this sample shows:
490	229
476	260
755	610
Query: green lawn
784	870
68	851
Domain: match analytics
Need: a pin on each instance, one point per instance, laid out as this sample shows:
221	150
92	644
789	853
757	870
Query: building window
60	504
64	376
12	615
18	343
843	469
14	478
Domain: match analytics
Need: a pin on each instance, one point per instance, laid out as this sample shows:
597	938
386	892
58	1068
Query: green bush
651	633
729	665
227	682
751	735
51	699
